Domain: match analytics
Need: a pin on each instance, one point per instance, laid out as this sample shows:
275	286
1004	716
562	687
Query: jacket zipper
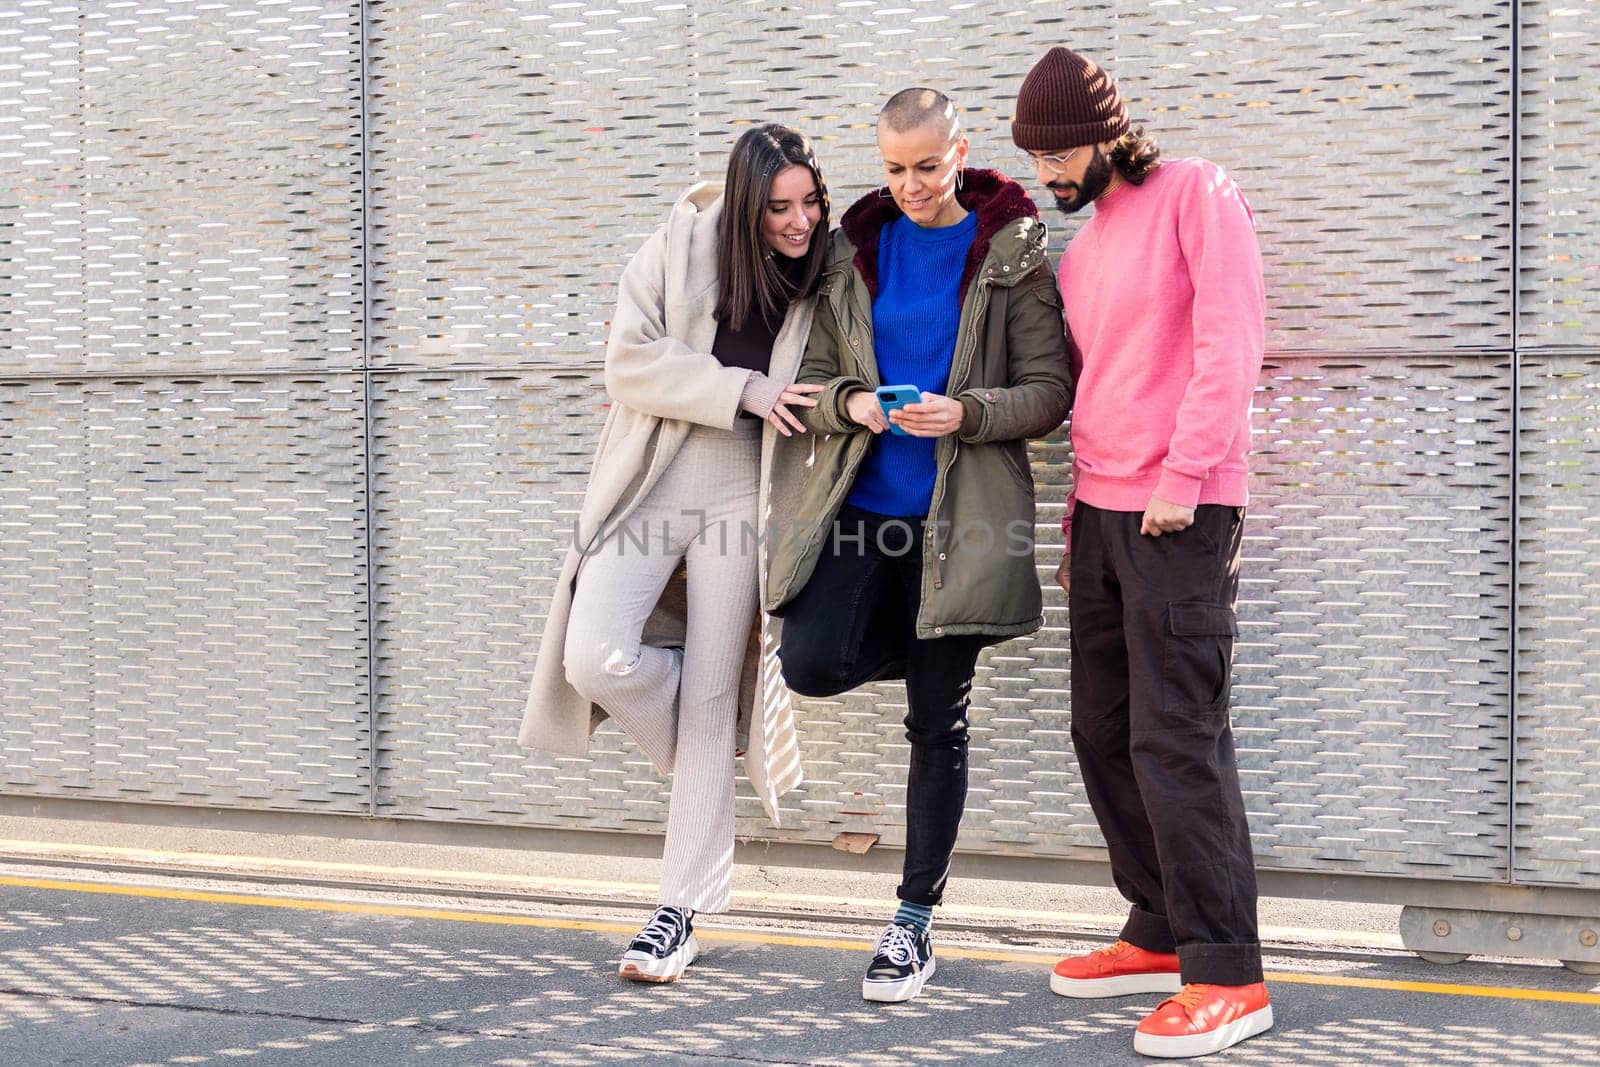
984	283
979	310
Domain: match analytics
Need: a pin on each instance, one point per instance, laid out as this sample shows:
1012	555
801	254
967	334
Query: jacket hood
698	197
698	210
1002	206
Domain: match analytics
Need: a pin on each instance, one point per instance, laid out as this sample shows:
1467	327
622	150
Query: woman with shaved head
913	546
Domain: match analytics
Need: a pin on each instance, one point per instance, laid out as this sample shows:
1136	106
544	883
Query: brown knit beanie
1067	101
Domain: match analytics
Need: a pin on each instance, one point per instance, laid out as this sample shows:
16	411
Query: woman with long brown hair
652	621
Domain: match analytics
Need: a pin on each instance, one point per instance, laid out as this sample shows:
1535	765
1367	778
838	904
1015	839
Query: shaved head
912	109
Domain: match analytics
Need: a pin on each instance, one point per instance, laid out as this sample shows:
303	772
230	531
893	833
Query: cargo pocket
1199	656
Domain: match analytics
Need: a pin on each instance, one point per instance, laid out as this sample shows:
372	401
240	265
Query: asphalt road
125	971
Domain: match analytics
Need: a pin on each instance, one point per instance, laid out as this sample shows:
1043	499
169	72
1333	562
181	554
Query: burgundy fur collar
996	198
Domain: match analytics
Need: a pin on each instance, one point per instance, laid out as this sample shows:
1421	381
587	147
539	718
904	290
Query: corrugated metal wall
303	309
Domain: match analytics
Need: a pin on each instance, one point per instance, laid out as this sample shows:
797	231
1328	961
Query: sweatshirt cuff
760	394
1178	488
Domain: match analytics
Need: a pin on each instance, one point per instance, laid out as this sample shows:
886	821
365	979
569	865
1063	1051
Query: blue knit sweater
914	321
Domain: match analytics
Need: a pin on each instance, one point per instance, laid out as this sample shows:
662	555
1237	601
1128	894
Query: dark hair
748	279
1135	156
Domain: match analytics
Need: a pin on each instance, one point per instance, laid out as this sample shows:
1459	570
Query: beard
1096	177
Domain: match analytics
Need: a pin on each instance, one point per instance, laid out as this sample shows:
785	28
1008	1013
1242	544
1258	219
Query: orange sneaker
1116	971
1204	1019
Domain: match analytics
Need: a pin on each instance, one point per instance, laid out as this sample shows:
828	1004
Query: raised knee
593	667
807	674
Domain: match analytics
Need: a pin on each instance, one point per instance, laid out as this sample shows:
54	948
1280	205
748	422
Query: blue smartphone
896	396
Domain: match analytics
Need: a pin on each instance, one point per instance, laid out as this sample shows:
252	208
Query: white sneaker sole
900	990
642	967
1122	985
1226	1036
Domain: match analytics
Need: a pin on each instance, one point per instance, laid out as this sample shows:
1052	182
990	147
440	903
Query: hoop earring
958	179
884	193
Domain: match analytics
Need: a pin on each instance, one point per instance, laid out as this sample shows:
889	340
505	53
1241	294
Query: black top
751	347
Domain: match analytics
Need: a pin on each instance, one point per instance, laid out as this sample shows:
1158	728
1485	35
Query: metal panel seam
1514	630
363	75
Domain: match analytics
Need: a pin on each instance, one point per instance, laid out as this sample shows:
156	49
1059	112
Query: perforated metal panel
1373	140
1372	702
481	476
826	68
1372	696
521	152
1432	783
180	186
1559	279
185	610
1373	668
1558	623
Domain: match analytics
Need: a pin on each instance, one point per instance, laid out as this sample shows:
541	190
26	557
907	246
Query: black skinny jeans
1152	649
855	622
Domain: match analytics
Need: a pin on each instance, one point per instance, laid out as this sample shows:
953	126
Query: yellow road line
1039	957
226	866
1556	996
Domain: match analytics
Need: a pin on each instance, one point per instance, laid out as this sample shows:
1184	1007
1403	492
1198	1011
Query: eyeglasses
1054	164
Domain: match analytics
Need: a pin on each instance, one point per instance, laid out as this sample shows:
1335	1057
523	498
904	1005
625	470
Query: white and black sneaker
661	951
902	962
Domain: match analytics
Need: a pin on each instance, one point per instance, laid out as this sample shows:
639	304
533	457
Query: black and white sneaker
902	962
662	949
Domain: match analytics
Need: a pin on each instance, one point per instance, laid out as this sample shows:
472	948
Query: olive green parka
1010	371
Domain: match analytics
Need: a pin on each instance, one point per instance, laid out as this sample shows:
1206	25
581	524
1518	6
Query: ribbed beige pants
680	708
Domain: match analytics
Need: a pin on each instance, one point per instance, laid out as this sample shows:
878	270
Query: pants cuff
1149	931
1220	964
911	896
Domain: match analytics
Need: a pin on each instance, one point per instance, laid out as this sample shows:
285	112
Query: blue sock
917	915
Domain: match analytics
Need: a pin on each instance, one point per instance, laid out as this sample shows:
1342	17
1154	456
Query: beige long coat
662	380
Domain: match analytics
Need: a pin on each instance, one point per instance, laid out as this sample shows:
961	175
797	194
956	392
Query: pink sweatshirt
1166	306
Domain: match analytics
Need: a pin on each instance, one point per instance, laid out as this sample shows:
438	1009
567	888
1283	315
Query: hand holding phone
896	396
921	414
